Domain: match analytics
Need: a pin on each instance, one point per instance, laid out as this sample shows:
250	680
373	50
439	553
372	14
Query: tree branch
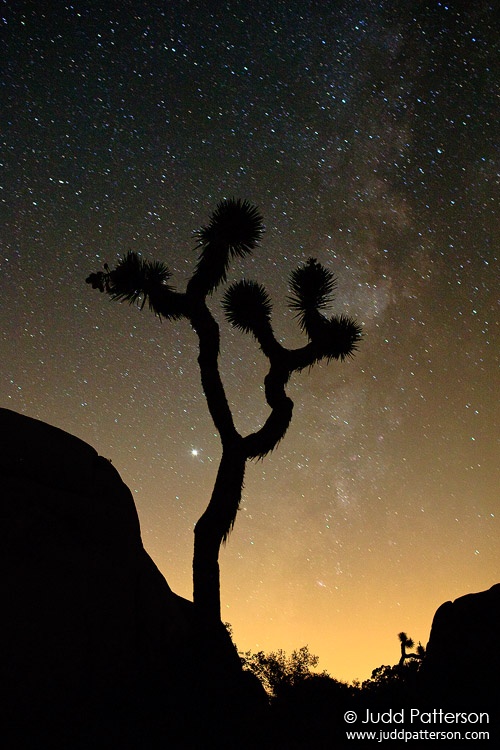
207	331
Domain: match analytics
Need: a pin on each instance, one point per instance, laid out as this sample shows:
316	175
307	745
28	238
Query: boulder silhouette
96	650
462	663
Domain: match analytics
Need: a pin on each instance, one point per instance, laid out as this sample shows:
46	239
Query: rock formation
462	664
96	650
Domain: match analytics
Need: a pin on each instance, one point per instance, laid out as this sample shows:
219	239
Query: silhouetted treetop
248	307
234	230
312	286
136	280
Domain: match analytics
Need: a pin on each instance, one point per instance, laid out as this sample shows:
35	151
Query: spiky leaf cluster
336	337
236	224
406	640
234	230
247	306
312	288
136	281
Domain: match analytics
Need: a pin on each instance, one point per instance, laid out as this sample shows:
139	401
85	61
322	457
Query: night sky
367	133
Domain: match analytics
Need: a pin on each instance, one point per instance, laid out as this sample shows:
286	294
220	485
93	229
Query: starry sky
367	134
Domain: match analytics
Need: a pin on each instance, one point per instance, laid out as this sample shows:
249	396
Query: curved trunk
213	528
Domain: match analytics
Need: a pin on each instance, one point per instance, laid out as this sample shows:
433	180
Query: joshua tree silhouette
235	229
405	642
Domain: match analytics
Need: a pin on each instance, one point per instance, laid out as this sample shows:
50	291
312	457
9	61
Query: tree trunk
213	528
